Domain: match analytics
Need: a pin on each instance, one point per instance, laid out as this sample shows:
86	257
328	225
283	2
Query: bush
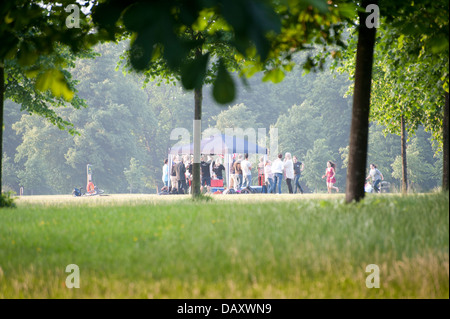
7	199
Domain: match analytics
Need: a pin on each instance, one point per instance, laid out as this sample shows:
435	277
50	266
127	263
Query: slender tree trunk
445	146
359	131
404	162
2	93
198	97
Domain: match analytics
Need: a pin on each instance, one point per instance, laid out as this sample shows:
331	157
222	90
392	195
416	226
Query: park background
124	133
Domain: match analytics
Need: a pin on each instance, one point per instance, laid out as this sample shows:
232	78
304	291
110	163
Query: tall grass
316	248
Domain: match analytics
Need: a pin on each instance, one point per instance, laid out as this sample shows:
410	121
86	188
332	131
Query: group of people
180	174
289	167
270	174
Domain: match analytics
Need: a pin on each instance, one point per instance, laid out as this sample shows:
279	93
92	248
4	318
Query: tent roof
220	144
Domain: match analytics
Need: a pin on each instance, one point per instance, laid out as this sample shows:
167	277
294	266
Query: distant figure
218	169
368	188
289	171
238	172
261	167
330	174
90	188
180	171
376	176
298	169
165	173
205	166
232	175
173	175
268	176
277	170
246	167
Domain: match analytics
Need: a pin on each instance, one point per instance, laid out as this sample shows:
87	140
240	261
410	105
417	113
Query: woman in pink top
330	174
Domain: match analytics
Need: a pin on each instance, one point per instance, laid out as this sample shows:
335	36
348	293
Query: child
330	174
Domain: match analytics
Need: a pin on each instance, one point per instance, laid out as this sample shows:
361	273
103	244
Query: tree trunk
2	93
198	96
359	131
404	162
445	146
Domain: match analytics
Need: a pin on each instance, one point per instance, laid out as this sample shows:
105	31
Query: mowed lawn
235	246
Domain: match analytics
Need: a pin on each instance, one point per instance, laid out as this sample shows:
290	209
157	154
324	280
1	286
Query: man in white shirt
277	170
246	167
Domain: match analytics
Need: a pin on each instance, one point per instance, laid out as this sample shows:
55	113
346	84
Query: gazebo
220	144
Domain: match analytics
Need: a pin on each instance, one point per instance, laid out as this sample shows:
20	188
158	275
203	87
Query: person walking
298	169
289	171
330	174
277	170
376	177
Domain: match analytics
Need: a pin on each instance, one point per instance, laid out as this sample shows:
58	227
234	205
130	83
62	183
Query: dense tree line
125	130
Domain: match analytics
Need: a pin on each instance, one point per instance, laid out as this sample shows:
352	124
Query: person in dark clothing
218	168
180	171
206	175
298	168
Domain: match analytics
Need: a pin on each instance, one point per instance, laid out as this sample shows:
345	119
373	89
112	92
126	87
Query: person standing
232	173
238	173
289	171
376	176
205	170
173	174
180	170
246	167
268	175
277	170
330	174
261	167
165	173
298	169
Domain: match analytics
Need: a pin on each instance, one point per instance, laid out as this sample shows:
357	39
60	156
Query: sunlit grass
255	246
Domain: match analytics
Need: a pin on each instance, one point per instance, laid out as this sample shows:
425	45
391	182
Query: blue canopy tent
220	144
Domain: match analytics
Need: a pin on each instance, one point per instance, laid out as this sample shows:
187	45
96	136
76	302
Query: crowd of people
270	174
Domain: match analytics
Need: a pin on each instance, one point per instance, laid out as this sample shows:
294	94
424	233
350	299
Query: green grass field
236	246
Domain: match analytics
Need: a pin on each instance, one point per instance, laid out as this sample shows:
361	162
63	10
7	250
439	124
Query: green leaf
54	81
274	75
224	89
193	72
438	44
